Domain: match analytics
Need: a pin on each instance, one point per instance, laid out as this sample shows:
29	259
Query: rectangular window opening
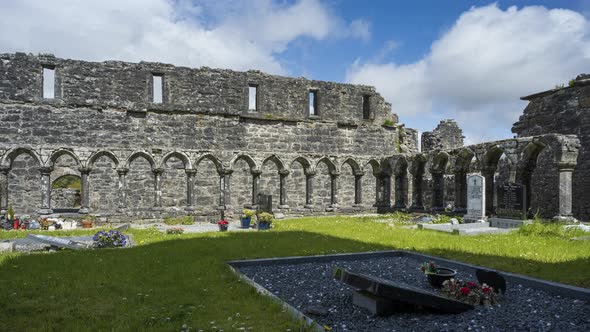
252	97
313	102
158	88
48	82
366	107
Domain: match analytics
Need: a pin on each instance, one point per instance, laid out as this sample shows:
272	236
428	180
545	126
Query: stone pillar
460	192
438	190
400	192
4	189
85	192
417	197
386	180
225	190
45	190
158	186
309	189
334	189
255	187
358	189
378	190
190	189
283	189
565	191
122	188
488	173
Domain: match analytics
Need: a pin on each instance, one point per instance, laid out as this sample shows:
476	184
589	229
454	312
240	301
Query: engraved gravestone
264	203
476	202
511	201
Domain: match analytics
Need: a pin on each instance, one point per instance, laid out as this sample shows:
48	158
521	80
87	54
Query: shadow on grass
168	284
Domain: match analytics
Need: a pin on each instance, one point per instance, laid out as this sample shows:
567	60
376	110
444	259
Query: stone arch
322	184
207	183
535	179
400	182
438	170
66	192
369	183
103	182
174	179
242	178
11	154
296	183
462	166
329	163
61	152
347	182
23	180
270	179
178	155
102	153
497	168
145	155
417	170
141	181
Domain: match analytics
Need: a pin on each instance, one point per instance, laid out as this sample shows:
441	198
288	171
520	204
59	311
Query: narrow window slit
158	88
313	102
252	97
366	107
48	82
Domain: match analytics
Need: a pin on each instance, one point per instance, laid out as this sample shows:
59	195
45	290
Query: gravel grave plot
308	285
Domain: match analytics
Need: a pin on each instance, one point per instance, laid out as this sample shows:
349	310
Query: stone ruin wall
102	122
562	111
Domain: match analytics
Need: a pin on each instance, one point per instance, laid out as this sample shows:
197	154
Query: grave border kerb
549	286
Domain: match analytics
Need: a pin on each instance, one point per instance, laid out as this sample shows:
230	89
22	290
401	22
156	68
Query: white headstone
476	201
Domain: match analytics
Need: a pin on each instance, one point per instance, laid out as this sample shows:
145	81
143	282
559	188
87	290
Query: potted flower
469	292
10	213
45	223
437	275
223	224
88	221
247	218
264	220
106	239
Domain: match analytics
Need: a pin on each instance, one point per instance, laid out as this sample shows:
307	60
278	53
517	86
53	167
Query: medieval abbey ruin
148	140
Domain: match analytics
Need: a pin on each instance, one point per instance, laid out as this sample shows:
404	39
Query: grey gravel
311	284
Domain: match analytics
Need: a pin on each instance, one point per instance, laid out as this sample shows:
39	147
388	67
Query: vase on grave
441	275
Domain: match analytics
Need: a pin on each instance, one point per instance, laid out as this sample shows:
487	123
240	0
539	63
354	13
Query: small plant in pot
88	221
437	275
10	213
264	220
247	218
223	224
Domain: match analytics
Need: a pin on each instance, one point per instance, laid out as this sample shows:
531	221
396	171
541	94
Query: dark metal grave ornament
492	279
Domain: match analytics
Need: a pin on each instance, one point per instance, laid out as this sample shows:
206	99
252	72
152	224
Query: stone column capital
256	172
335	174
359	173
84	170
190	171
158	170
310	173
122	171
284	172
45	170
226	171
565	166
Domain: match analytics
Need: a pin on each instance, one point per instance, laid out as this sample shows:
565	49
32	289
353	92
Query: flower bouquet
223	224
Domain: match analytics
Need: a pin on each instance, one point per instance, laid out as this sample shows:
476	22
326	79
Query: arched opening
65	173
174	182
400	183
24	179
296	185
103	183
207	186
465	159
417	171
242	183
438	171
346	186
66	192
270	181
369	183
140	184
322	186
540	176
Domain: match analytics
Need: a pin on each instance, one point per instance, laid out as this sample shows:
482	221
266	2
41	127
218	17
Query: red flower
222	222
471	284
465	290
486	289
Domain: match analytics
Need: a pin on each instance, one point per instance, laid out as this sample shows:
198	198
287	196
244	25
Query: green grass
171	280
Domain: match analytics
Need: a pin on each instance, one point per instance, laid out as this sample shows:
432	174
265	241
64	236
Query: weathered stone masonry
202	150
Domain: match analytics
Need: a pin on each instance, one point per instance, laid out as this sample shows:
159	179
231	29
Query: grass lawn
171	281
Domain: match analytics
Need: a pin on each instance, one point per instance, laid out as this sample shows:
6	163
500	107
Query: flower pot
245	222
263	226
86	224
442	274
223	228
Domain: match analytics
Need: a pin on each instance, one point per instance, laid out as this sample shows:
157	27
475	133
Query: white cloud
230	34
477	70
361	29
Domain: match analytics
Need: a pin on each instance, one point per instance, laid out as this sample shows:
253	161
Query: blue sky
432	60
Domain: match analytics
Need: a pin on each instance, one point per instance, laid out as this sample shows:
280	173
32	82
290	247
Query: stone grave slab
383	291
58	242
476	202
512	201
